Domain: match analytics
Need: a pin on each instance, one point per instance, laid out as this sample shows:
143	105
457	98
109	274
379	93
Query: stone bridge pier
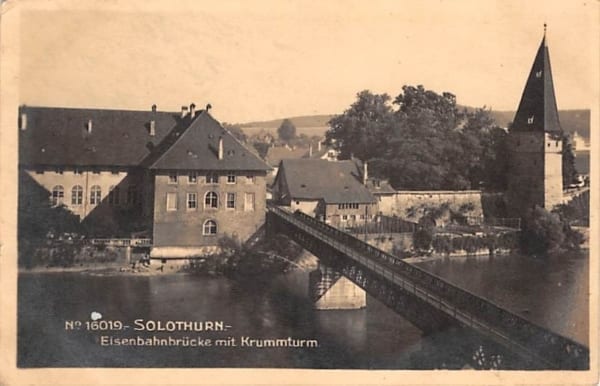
329	290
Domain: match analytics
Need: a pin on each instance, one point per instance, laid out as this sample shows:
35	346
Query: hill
301	121
571	120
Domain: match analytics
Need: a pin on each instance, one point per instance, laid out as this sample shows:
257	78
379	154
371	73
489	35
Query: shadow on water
374	337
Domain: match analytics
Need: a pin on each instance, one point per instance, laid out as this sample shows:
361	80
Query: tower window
530	120
538	74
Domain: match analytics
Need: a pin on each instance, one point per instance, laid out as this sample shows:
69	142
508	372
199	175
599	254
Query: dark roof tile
334	182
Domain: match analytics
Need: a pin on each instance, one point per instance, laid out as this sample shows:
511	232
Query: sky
256	60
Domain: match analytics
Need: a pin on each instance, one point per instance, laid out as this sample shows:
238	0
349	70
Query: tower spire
537	110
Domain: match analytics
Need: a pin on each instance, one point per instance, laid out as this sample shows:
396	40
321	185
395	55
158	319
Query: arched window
209	228
211	200
76	195
95	195
58	195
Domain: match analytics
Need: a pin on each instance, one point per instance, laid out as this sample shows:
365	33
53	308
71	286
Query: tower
535	142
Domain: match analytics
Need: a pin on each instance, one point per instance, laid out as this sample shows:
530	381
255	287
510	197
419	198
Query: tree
286	130
427	142
568	161
363	128
544	232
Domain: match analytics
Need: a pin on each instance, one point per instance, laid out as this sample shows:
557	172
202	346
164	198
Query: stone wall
411	205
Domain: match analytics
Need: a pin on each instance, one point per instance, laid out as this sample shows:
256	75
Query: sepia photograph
283	188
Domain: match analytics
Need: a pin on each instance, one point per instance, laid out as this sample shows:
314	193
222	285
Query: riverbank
106	269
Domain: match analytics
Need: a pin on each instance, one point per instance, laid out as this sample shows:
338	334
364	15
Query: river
552	293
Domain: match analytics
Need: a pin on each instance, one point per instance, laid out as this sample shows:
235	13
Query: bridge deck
504	327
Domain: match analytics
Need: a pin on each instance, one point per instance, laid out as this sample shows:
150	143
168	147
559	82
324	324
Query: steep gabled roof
333	182
59	137
197	148
537	110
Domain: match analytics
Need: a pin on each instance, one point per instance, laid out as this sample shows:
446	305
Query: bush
544	232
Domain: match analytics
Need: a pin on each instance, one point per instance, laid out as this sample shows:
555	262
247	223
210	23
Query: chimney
23	122
310	151
89	126
192	110
220	147
152	128
365	173
184	110
319	146
208	107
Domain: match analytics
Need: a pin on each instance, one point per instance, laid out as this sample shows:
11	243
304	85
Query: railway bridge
428	301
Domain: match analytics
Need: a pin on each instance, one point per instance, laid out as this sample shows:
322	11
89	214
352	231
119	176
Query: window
345	217
348	206
96	171
76	195
95	195
192	203
211	200
39	171
171	201
113	195
192	178
249	202
172	177
249	179
530	120
132	194
77	171
231	178
212	178
209	228
58	194
59	170
114	171
230	201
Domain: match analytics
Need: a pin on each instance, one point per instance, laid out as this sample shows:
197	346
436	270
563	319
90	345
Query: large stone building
180	177
535	140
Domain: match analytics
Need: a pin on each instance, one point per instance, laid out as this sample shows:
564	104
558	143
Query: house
179	176
206	185
321	152
330	191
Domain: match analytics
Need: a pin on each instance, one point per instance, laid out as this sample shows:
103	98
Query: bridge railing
465	301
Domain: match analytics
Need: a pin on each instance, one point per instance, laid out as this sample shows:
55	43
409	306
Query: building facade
535	142
122	172
206	185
